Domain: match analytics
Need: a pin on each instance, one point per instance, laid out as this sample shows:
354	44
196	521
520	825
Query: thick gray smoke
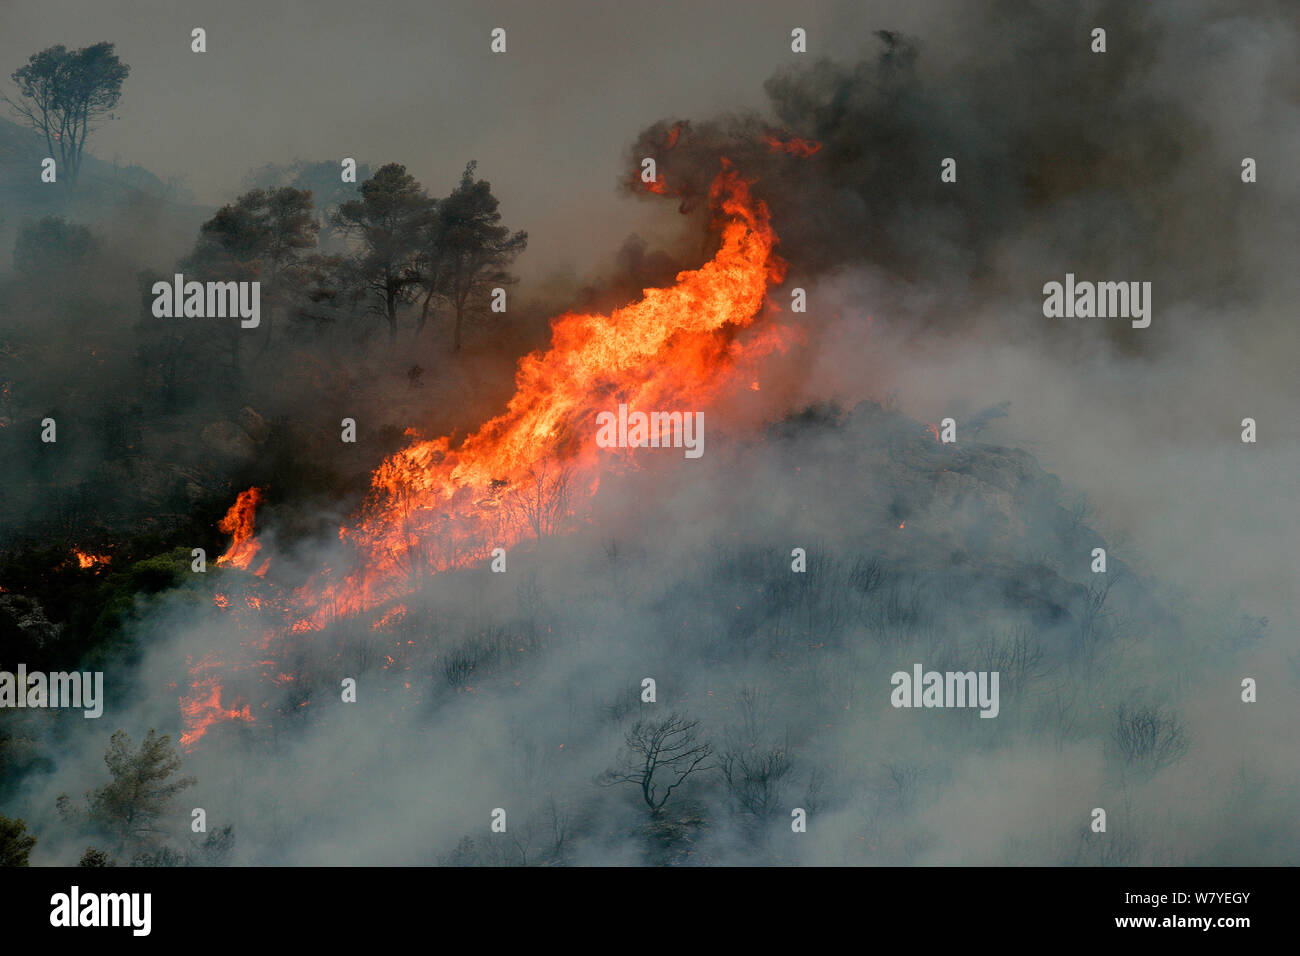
925	302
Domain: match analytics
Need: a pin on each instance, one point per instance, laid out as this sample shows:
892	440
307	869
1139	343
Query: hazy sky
1150	435
549	120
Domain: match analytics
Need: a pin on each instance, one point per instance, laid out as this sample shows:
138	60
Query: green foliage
321	179
163	856
390	218
62	92
213	850
123	593
52	243
259	234
468	250
15	844
132	805
216	847
95	857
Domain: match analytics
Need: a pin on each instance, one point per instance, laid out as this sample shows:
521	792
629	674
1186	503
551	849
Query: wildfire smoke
433	507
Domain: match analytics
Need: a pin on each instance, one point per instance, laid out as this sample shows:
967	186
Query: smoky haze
924	302
548	121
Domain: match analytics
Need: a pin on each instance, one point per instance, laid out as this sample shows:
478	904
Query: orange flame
674	132
392	615
201	708
238	523
87	560
434	507
782	142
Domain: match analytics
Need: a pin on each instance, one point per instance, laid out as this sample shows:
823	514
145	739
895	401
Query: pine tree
15	844
390	219
131	806
469	251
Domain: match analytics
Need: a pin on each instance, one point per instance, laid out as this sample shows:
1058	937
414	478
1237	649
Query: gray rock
228	440
254	425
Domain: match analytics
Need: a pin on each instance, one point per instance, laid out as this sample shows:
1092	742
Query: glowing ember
87	560
781	142
392	615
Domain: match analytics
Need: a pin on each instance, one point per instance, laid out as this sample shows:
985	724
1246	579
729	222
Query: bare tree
904	780
1147	735
1018	658
1057	713
541	502
537	839
1094	617
754	768
661	754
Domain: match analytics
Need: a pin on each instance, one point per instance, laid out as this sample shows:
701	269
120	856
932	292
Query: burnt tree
660	755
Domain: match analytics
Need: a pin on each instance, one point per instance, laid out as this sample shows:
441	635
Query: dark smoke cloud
1117	166
1108	165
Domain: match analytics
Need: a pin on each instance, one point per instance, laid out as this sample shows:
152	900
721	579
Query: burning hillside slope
434	507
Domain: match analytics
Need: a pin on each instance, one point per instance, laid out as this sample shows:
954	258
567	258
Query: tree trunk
424	313
234	357
268	319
